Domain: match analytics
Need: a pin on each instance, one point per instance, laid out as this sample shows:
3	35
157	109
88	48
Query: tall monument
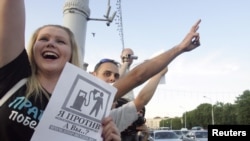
75	16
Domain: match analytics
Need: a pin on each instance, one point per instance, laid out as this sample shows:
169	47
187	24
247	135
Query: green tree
243	106
176	123
224	114
230	114
218	113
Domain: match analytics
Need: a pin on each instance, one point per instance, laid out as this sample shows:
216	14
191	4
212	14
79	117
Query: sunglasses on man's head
108	60
105	60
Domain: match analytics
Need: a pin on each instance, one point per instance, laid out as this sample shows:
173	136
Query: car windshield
165	135
185	132
178	132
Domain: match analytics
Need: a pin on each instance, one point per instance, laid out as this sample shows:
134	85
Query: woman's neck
48	82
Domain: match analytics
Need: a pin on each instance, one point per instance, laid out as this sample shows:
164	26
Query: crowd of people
28	76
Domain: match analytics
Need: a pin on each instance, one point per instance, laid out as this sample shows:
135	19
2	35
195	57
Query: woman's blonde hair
33	85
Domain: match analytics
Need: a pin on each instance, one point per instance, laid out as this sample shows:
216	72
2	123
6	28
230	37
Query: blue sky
219	69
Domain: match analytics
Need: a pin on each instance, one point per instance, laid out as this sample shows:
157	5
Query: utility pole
212	111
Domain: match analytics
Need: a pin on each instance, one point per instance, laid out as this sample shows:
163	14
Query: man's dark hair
105	60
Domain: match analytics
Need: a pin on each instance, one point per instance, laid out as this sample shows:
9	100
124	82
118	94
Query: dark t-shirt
11	73
18	115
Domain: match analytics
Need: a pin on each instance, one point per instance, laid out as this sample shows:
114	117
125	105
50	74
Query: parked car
197	128
164	135
185	132
184	129
179	133
196	135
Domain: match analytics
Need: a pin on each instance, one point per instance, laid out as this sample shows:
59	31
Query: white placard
76	108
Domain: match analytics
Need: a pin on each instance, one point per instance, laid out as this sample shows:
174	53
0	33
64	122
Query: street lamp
171	124
212	109
185	117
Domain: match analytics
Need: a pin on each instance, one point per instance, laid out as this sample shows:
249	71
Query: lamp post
164	118
171	124
185	119
185	116
212	111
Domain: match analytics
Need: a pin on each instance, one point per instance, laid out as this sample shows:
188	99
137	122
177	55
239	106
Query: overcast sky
219	69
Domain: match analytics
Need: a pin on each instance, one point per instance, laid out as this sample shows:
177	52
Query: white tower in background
76	14
75	17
